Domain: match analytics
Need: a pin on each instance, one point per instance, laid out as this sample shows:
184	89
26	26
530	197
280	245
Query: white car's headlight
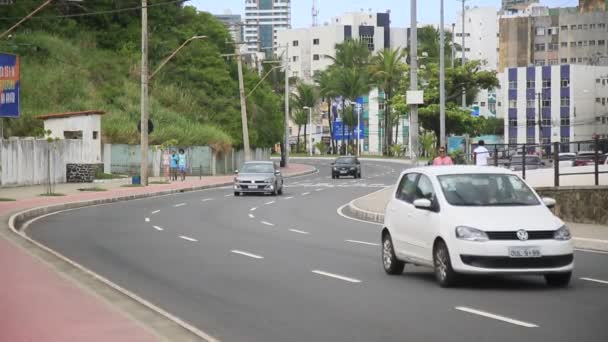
562	234
471	234
335	168
353	168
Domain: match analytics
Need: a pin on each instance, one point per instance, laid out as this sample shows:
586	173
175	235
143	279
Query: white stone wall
85	123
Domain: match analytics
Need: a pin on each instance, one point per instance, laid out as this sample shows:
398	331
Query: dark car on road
258	177
346	166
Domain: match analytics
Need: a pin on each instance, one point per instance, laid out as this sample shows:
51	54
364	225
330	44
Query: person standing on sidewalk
174	166
481	154
443	158
182	164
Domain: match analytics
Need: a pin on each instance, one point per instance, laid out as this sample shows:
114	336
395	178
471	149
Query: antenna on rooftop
315	14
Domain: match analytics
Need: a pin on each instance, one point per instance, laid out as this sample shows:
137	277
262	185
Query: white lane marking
207	199
155	212
288	198
251	216
267	223
247	254
253	209
363	242
299	231
589	251
306	194
497	317
188	238
180	205
229	195
269	203
319	190
595	280
147	219
337	276
158	228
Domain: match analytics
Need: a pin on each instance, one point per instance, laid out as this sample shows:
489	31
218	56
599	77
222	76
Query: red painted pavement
37	304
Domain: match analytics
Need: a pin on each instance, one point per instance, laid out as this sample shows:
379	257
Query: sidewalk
371	208
40	299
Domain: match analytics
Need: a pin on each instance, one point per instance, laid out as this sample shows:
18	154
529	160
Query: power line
100	12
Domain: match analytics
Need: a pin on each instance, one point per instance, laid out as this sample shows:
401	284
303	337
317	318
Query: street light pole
173	54
441	78
464	93
143	167
358	132
413	79
46	3
243	105
287	92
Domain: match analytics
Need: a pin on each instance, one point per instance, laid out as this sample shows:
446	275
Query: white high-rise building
263	20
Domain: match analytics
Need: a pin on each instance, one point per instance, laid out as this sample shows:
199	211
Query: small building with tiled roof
83	125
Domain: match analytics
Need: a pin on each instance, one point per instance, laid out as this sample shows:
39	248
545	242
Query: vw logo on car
522	235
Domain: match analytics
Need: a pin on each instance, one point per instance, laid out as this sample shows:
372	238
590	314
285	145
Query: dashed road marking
207	199
267	223
159	228
336	276
155	212
251	216
595	280
229	195
253	209
496	317
288	198
306	194
299	231
317	190
187	238
179	205
247	254
269	203
363	242
147	219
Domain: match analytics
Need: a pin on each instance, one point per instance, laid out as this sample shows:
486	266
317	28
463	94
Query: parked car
532	162
474	220
584	158
258	177
346	166
566	159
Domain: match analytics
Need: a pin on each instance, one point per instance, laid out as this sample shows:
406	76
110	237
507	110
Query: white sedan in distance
474	220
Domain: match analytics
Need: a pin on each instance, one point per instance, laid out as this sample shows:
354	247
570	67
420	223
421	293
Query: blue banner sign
9	85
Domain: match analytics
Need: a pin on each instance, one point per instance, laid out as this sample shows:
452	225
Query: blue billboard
9	85
337	131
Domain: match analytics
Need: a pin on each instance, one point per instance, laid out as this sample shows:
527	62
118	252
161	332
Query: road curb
377	217
18	222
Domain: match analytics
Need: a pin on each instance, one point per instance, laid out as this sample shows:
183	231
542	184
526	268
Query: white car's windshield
257	168
486	190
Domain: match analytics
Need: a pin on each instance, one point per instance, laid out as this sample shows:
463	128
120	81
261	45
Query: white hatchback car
470	219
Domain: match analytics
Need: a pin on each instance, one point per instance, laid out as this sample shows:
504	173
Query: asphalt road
289	268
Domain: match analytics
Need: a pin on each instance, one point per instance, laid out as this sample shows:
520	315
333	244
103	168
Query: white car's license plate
343	171
253	187
524	252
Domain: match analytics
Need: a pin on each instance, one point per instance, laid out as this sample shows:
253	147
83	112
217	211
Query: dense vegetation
74	58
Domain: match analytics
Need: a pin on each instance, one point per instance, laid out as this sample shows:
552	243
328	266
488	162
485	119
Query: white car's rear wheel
391	264
444	273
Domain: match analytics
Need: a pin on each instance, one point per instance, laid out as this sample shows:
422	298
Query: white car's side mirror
423	203
549	202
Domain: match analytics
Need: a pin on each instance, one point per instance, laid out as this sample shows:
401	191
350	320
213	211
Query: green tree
300	118
305	95
325	84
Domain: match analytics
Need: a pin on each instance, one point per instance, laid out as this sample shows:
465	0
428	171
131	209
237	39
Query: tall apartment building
515	5
543	36
554	103
234	23
263	20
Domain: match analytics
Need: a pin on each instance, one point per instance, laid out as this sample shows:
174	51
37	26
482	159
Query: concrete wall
85	123
26	161
579	204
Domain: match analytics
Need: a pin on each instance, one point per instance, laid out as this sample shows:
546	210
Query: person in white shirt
481	154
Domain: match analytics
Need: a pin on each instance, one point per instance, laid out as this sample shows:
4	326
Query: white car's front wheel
444	273
391	264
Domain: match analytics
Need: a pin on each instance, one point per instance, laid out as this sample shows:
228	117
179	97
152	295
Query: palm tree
300	118
305	96
387	69
352	53
350	84
327	91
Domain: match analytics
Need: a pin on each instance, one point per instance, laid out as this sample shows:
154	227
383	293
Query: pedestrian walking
174	165
443	158
182	164
481	154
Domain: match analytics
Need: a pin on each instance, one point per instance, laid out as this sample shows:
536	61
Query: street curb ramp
18	222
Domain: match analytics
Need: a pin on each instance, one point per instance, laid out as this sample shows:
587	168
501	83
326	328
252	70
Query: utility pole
441	78
464	92
239	64
413	79
143	169
287	92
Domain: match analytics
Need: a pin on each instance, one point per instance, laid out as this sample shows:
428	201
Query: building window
492	107
72	135
546	84
564	27
512	122
601	42
539	62
592	43
580	26
512	140
572	44
564	44
598	99
95	135
539	47
601	26
546	103
552	31
545	122
565	102
580	60
592	26
295	43
482	104
579	43
564	60
369	40
315	41
565	82
573	27
585	27
553	62
530	103
530	122
295	58
530	84
530	140
512	84
603	101
540	31
512	103
564	122
553	47
584	43
572	60
315	57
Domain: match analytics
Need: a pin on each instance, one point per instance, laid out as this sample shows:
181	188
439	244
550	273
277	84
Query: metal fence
556	155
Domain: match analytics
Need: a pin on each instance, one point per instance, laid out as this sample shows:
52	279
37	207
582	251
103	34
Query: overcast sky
428	11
